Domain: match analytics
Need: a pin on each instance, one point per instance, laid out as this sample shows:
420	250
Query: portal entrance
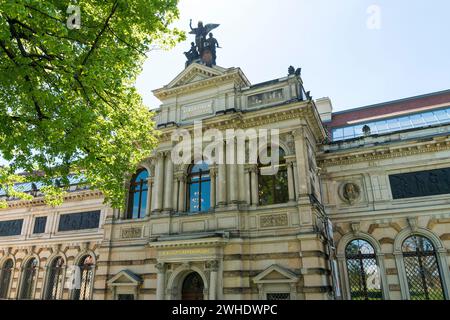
192	287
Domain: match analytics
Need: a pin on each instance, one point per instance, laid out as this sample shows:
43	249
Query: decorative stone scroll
274	220
131	233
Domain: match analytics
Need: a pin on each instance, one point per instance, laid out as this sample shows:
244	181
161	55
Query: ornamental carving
131	233
275	220
350	192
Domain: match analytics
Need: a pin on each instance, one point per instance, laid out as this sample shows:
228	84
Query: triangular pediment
125	278
195	73
276	274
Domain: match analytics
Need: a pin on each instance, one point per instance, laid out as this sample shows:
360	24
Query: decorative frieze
274	220
131	233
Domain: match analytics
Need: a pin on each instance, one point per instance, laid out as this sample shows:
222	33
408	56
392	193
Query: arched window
422	269
28	279
5	278
199	188
273	188
55	281
363	273
83	288
137	201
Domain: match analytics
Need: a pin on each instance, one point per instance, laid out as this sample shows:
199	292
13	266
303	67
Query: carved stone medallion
350	192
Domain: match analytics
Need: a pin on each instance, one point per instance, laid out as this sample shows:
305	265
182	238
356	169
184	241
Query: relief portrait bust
350	192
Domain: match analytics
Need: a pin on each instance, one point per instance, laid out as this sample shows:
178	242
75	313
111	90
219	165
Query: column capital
253	168
181	176
213	171
161	267
298	132
213	265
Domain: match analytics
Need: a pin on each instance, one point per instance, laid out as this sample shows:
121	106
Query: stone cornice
233	74
347	157
256	118
208	242
72	196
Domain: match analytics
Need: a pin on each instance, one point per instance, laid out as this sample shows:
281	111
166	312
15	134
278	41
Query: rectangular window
278	296
420	184
39	225
11	228
79	221
125	297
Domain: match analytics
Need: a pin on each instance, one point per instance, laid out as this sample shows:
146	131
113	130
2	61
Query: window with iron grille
28	279
278	296
422	269
363	272
5	278
55	279
86	279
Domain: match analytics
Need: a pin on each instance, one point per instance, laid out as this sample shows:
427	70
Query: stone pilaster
168	185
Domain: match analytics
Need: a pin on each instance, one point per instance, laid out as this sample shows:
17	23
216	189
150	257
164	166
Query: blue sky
329	39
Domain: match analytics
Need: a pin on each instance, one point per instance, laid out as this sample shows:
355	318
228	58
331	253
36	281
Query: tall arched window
137	201
422	269
273	188
199	188
83	288
363	273
5	278
55	281
28	279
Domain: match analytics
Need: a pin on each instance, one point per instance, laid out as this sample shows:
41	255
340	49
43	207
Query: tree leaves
67	97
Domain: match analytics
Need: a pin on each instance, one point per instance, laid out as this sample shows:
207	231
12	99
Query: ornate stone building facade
357	210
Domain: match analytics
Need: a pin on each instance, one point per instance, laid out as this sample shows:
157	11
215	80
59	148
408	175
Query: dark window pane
199	188
194	197
11	228
79	221
273	188
205	199
39	225
137	200
420	184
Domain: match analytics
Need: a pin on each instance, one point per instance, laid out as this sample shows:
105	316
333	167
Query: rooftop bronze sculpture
204	50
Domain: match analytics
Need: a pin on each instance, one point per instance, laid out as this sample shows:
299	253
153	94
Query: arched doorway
192	287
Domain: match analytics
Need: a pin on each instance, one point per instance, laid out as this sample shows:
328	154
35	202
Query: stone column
241	183
212	173
222	183
168	196
233	185
157	200
182	193
296	177
291	189
149	196
175	195
247	186
302	161
254	185
214	268
160	280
